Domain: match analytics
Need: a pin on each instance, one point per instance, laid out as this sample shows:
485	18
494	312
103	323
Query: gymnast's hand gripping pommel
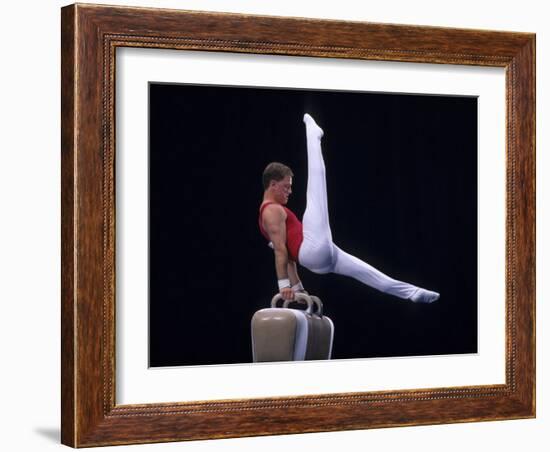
310	242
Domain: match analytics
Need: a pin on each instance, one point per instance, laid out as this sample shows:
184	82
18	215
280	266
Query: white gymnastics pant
318	253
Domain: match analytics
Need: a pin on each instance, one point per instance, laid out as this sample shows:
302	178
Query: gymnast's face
282	189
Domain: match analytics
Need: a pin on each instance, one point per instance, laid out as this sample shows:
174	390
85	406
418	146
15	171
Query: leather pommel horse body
287	334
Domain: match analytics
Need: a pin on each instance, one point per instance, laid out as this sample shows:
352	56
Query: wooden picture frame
90	37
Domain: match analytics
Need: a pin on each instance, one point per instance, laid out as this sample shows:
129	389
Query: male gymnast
309	242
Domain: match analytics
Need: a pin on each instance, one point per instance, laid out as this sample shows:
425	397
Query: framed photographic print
399	161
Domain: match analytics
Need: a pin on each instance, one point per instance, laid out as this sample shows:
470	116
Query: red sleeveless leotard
294	231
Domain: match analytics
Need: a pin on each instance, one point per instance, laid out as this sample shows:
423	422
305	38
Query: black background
402	194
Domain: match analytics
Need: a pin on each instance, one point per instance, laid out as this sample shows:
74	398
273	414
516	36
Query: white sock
424	296
312	127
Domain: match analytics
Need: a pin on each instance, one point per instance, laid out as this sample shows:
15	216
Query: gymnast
309	242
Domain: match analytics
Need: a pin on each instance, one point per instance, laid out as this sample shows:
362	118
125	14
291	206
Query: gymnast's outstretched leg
318	253
348	265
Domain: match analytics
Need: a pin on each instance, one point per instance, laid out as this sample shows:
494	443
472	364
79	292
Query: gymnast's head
277	181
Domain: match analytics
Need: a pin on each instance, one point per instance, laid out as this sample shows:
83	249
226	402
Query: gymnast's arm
274	219
293	273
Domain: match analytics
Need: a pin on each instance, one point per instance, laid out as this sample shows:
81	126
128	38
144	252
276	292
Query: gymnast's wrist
284	283
298	287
